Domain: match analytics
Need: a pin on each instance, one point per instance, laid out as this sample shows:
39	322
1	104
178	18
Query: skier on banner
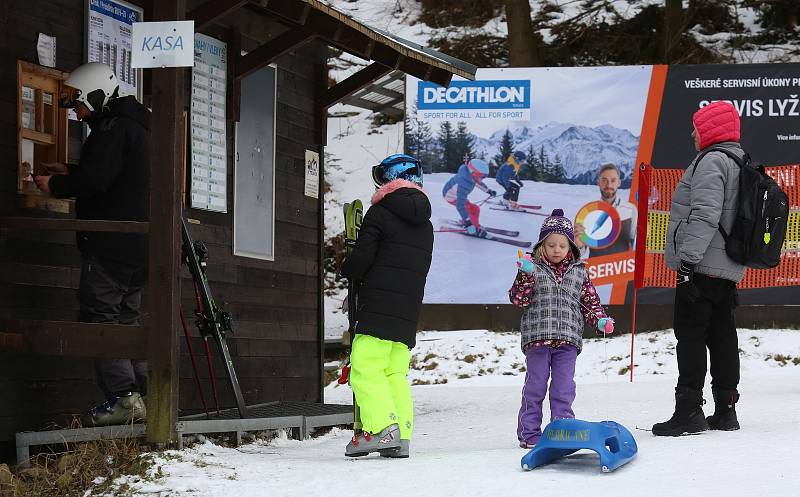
508	177
458	188
391	259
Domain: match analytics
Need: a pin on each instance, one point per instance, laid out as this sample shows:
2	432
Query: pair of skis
211	321
492	234
353	216
522	208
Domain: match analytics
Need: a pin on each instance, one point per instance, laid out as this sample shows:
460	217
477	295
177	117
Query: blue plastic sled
612	441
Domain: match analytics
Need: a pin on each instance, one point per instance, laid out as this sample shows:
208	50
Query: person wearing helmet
111	181
458	188
508	177
391	259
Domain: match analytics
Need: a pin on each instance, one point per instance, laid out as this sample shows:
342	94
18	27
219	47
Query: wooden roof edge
404	47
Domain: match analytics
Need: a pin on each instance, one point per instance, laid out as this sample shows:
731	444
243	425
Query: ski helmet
92	84
397	166
478	168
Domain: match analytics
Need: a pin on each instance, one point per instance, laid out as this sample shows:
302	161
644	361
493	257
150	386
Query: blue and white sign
208	125
487	99
109	41
163	44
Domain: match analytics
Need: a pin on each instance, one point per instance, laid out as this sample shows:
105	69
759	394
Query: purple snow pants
543	362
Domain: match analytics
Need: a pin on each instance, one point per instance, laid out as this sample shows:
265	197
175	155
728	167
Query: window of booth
41	132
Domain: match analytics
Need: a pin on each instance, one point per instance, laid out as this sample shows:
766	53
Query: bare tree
522	42
673	28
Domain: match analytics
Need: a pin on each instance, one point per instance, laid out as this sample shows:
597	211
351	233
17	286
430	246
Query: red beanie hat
717	122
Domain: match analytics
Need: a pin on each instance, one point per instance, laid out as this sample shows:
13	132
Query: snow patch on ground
481	357
465	443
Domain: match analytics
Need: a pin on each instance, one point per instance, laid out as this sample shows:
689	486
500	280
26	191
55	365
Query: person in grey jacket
705	296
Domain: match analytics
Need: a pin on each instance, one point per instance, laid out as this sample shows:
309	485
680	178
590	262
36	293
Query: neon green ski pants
378	376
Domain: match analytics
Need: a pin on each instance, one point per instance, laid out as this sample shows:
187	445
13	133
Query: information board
109	41
208	132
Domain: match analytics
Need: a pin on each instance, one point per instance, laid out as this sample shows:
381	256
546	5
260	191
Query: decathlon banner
767	97
540	139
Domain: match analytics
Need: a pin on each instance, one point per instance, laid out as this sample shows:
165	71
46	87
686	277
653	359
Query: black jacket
112	180
391	258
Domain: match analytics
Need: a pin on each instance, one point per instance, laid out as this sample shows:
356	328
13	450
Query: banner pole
633	327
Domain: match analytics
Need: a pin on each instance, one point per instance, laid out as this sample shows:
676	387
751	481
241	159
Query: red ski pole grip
345	375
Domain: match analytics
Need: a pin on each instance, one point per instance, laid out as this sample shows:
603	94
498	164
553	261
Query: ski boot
479	232
363	443
399	453
724	417
119	410
688	417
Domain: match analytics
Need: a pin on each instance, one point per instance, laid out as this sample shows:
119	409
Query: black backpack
763	209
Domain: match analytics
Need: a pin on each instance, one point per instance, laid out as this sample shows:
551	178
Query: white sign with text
163	44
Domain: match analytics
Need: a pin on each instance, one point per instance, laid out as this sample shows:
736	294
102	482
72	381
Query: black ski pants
512	191
111	292
705	320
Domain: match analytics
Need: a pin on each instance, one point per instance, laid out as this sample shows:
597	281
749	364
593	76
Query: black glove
519	183
492	193
684	282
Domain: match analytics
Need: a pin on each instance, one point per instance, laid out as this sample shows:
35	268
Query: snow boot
363	443
119	410
724	417
688	417
399	453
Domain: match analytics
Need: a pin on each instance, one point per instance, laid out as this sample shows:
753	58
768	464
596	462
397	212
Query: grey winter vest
555	310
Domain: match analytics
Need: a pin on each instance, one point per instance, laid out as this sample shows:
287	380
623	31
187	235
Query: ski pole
194	362
202	317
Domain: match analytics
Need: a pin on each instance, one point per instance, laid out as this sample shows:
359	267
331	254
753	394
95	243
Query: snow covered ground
465	440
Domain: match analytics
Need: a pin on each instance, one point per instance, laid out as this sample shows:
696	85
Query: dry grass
85	467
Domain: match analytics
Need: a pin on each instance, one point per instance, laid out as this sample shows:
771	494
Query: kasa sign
490	99
163	44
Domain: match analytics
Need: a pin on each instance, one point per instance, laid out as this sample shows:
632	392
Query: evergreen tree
464	141
506	148
530	172
559	176
419	141
450	161
545	173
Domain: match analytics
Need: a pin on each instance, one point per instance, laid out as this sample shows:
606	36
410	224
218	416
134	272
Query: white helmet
93	84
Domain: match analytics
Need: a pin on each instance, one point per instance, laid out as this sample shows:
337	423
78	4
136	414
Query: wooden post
165	240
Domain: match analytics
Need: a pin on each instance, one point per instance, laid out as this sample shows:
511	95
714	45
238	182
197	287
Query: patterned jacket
557	298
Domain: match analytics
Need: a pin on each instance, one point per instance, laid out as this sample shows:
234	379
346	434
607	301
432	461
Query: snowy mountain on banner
581	149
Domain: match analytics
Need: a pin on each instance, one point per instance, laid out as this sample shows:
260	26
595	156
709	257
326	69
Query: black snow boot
688	417
724	417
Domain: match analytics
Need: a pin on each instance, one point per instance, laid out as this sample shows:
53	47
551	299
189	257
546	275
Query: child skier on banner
554	288
457	188
391	259
508	177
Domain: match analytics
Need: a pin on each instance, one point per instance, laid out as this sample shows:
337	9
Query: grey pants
111	292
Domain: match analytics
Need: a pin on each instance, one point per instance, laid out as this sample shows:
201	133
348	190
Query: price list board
109	41
208	132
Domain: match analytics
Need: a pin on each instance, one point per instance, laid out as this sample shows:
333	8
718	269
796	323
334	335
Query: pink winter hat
717	122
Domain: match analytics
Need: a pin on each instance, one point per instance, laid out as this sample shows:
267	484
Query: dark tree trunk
673	27
522	42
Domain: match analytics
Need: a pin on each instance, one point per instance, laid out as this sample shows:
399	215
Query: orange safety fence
662	184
